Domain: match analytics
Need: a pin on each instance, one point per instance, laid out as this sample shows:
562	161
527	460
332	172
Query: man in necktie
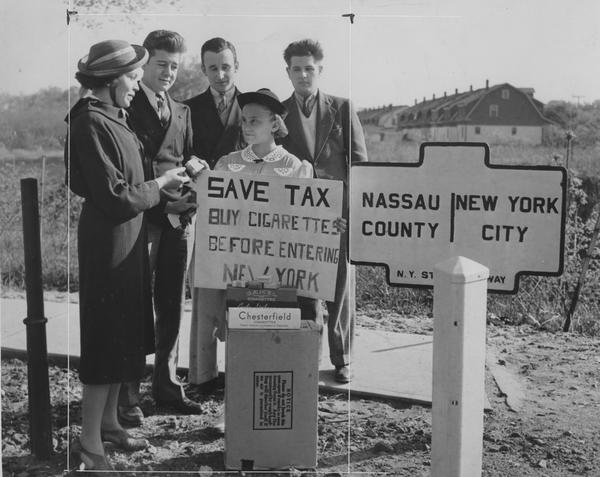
164	128
325	131
216	121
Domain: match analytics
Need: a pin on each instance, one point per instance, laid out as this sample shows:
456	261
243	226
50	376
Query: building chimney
487	84
423	98
471	88
415	101
433	95
456	91
444	94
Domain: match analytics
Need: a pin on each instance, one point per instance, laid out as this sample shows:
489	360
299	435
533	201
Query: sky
393	53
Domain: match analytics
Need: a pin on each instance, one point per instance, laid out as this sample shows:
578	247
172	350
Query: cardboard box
271	398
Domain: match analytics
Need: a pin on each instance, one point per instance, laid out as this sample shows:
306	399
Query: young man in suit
325	130
164	128
216	116
216	122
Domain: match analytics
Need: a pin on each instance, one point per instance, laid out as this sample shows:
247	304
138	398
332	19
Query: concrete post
459	310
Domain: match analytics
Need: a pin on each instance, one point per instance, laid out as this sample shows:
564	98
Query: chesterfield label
264	318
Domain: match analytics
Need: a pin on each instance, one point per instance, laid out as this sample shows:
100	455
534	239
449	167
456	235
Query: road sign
454	202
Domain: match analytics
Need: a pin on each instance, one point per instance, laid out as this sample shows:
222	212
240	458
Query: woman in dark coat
105	167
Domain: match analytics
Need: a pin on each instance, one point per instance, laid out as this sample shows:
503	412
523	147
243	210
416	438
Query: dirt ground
548	428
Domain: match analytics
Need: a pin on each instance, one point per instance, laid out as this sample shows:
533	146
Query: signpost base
459	310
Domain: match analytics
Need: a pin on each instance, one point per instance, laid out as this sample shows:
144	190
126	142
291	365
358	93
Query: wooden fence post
40	418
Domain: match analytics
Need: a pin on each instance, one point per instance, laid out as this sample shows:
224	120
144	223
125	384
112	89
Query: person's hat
265	97
112	58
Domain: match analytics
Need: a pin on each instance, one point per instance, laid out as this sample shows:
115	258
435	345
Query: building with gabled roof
496	114
384	117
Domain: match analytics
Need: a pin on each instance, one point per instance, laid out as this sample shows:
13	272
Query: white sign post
249	226
459	308
421	220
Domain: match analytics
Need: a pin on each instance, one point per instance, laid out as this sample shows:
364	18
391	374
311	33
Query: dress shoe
123	440
130	415
87	461
343	374
181	406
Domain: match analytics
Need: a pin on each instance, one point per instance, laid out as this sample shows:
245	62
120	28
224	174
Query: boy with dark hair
304	47
164	128
325	131
215	114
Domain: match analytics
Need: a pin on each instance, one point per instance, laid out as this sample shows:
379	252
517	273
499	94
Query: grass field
540	300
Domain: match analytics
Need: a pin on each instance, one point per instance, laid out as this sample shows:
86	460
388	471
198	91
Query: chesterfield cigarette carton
271	396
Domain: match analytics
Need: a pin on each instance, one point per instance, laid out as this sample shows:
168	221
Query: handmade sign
454	202
249	226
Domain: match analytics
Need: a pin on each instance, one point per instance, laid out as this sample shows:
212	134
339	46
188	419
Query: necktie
307	106
222	106
163	110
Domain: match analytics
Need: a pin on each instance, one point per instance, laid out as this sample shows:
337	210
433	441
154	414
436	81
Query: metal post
40	423
459	313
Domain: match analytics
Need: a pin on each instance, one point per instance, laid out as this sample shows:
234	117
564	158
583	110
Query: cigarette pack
271	297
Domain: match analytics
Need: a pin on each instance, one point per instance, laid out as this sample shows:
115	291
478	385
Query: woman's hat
112	58
265	97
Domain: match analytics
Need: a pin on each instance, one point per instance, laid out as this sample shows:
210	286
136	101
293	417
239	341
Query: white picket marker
459	310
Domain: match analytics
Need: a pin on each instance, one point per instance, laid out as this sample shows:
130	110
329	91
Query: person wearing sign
325	130
104	163
215	113
262	122
164	128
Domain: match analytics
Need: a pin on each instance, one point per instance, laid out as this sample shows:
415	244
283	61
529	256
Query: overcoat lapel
211	119
144	111
234	119
295	124
325	120
175	122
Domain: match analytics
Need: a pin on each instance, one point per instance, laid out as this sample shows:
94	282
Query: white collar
275	155
152	94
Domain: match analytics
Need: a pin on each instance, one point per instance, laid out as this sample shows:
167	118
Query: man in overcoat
325	130
164	128
216	123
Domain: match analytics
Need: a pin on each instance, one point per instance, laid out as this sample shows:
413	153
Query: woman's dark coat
105	165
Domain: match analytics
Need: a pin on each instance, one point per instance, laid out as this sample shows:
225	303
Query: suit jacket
339	138
212	139
164	149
